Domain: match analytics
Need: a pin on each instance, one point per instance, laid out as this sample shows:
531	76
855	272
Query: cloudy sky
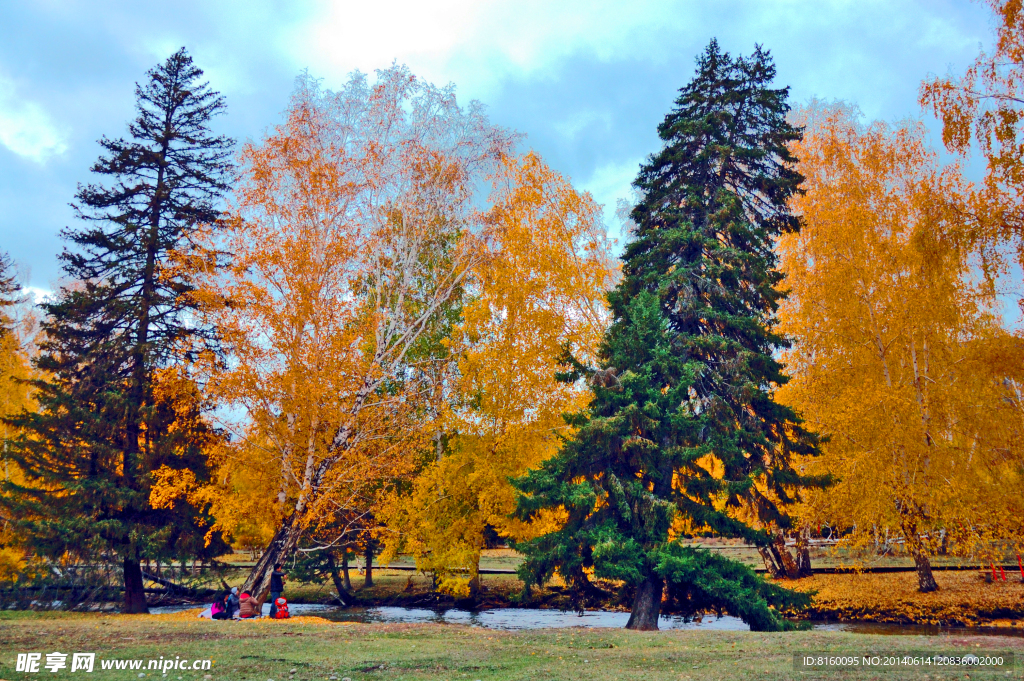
587	82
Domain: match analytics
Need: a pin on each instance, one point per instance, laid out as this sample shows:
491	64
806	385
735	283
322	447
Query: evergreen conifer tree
9	289
683	434
111	413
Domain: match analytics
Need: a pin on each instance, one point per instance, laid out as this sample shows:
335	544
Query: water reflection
511	619
523	618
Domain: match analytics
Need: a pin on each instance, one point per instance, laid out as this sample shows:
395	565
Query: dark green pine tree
683	424
105	423
9	290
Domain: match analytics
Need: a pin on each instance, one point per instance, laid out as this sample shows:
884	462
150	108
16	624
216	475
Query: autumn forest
388	328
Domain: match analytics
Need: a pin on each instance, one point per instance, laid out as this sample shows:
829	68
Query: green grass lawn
317	650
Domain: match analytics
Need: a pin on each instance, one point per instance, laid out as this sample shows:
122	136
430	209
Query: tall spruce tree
683	433
9	289
110	412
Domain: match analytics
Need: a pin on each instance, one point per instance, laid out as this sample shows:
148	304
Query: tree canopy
116	403
683	433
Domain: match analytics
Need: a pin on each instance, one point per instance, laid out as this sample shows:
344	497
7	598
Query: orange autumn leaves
900	279
900	357
398	286
354	232
984	107
536	290
963	599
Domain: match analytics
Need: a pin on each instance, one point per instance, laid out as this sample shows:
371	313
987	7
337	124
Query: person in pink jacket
249	607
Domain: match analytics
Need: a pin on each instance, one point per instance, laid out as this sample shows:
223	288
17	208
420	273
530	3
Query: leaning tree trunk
646	605
770	564
777	559
786	560
134	590
925	579
278	550
344	596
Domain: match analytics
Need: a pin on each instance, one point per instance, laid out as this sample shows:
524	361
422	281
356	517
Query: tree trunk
344	571
925	580
803	552
646	605
774	569
785	560
278	550
474	580
916	545
344	596
134	595
368	580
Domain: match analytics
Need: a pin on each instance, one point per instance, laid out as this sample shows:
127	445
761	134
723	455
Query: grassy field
309	648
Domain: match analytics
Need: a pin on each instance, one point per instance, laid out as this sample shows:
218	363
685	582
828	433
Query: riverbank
310	648
964	597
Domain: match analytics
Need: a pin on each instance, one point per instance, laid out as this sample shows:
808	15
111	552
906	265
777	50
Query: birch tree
354	225
538	291
900	361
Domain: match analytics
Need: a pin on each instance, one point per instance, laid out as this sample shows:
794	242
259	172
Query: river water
509	619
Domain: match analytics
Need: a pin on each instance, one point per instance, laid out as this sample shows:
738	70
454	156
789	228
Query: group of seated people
231	605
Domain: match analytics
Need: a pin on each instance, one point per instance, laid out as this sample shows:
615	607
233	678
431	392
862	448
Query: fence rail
816	570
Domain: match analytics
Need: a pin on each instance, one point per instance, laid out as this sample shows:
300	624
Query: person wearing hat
234	604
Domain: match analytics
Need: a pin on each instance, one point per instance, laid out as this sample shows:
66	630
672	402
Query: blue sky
587	82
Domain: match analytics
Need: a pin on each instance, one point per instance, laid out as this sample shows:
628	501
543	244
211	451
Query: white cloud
476	44
612	181
480	44
26	128
38	295
578	121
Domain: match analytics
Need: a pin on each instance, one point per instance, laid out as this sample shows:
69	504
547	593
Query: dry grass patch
963	598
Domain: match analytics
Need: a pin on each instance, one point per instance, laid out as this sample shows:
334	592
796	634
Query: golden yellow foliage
15	394
538	291
352	229
238	496
984	106
187	481
900	359
12	564
983	110
17	326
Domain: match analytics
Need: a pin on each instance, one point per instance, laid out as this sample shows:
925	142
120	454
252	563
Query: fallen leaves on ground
193	614
963	598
